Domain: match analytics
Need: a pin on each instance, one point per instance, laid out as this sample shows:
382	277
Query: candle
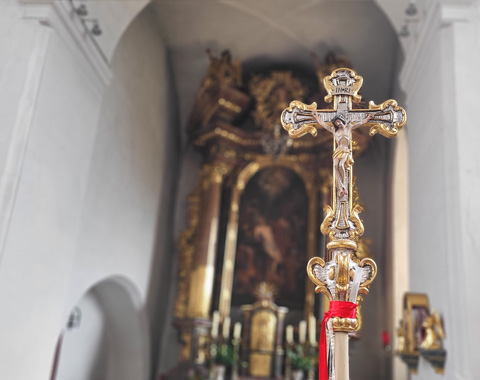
289	334
237	330
302	331
226	328
312	329
215	321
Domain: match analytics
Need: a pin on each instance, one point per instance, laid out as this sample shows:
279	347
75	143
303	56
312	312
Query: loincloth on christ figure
341	153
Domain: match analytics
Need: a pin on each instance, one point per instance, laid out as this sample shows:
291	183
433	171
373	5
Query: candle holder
312	355
213	354
236	357
289	347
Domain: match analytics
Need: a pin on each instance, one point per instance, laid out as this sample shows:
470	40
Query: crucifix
344	278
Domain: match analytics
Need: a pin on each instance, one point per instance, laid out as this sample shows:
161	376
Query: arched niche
272	239
300	182
108	340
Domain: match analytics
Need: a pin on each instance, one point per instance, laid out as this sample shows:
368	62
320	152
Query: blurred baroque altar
254	218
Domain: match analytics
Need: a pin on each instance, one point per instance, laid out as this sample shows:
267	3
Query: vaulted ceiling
266	32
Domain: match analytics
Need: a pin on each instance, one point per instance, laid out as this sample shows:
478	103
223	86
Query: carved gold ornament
271	95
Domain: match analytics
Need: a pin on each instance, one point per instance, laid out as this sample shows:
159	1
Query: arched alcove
109	340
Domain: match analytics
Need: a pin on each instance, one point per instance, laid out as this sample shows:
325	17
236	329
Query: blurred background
156	220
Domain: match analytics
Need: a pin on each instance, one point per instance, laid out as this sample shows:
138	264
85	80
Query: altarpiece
255	210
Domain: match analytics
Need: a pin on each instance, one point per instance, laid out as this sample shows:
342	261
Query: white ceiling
277	31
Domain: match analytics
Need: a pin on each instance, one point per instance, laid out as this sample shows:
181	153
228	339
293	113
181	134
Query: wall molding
438	14
60	16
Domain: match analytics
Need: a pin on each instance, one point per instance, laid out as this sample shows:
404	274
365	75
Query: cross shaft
345	277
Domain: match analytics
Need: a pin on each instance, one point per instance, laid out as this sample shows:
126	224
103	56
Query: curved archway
109	340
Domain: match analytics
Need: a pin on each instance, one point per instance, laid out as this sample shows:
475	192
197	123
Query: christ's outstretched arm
322	123
361	122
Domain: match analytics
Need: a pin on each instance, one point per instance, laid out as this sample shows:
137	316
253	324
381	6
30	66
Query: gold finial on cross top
344	278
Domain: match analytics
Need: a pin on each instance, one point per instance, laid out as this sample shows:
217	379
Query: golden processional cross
344	278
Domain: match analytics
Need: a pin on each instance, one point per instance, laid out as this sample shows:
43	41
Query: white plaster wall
128	205
109	342
84	348
96	163
444	177
128	165
42	234
113	17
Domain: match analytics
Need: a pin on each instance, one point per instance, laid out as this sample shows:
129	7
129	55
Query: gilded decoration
212	173
271	94
186	344
420	333
263	320
186	249
233	240
223	70
263	331
220	96
343	278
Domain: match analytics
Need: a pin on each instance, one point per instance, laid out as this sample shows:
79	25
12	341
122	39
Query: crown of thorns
339	117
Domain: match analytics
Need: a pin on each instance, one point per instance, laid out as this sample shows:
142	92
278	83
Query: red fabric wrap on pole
341	309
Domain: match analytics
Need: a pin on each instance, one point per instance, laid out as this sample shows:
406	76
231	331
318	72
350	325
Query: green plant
225	355
299	361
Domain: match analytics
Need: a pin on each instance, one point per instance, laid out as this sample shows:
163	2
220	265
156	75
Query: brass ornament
271	94
345	324
388	108
434	333
346	85
321	286
327	221
294	114
419	321
337	278
355	219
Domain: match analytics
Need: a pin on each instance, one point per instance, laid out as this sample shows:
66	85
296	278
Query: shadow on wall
108	338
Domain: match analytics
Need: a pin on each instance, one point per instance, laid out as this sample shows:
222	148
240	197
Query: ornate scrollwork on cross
344	278
342	221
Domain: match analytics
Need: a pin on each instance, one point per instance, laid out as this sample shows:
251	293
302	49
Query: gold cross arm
343	85
386	119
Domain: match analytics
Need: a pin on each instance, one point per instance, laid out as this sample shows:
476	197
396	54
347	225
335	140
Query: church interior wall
45	218
87	207
371	172
89	189
426	188
441	166
109	343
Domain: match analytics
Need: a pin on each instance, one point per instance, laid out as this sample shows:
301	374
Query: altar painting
272	237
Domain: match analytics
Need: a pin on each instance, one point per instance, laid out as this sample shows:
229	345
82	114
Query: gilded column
197	249
203	261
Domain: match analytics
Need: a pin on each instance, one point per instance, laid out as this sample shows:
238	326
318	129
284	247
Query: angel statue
433	332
